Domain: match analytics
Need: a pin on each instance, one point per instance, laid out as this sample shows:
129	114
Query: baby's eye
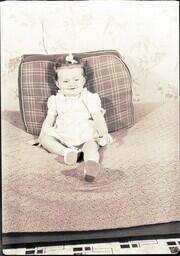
77	79
66	81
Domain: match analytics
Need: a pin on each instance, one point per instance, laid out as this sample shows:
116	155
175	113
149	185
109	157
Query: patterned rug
139	184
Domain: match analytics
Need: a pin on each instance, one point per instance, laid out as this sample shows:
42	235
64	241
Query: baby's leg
91	158
90	150
54	146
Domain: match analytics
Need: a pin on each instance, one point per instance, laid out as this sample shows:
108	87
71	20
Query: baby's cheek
63	87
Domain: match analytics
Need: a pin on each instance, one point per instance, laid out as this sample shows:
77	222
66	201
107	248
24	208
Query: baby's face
71	81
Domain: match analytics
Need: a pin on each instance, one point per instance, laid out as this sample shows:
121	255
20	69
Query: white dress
74	124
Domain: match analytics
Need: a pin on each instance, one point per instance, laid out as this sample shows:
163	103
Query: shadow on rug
103	181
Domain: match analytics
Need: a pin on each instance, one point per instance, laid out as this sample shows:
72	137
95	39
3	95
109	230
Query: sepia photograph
90	127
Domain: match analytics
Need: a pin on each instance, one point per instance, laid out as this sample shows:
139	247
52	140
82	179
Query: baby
75	119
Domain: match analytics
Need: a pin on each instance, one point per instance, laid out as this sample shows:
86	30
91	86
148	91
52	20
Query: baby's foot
70	156
91	170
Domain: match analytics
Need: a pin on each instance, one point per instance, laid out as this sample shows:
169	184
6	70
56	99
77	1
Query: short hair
59	64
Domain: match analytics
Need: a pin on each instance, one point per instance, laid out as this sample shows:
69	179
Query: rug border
22	239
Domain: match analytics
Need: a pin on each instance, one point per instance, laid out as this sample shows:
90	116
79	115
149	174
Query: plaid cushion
106	74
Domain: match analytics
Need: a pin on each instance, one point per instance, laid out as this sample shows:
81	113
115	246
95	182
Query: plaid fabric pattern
106	74
36	86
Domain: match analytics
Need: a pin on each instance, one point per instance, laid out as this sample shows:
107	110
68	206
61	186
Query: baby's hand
42	134
105	140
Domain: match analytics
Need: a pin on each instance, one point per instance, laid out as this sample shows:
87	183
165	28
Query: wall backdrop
144	32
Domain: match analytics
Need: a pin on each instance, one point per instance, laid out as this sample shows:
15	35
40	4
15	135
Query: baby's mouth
72	88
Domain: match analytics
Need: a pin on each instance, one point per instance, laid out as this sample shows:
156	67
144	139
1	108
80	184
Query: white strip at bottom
157	246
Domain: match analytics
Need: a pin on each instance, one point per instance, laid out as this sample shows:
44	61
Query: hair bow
70	58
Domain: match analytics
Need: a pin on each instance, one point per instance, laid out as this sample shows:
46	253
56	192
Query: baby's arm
48	122
50	118
93	103
101	126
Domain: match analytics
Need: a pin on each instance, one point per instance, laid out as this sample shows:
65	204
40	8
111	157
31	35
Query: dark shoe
91	170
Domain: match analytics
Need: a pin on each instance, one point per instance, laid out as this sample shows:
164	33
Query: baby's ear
84	80
55	69
56	83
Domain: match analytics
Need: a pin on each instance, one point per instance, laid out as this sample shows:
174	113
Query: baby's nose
71	83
